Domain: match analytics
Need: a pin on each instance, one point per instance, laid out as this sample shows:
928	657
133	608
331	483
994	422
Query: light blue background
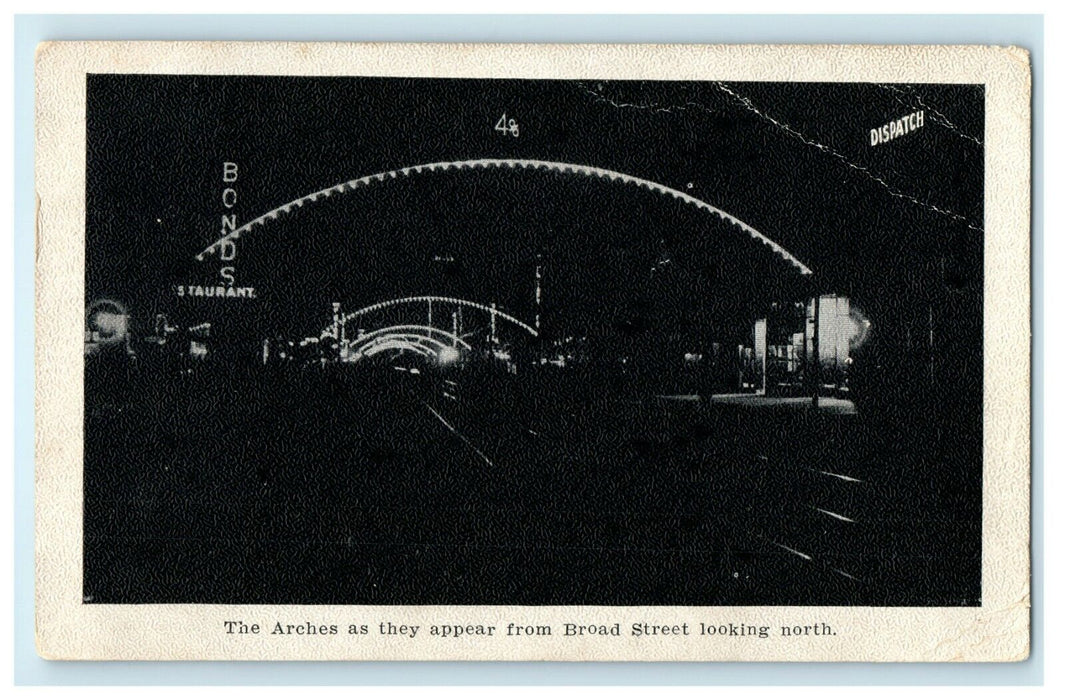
1024	31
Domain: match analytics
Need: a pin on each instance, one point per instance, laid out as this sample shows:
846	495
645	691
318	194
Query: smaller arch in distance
410	331
444	300
395	344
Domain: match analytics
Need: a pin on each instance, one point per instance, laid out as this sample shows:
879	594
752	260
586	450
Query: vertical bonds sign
227	288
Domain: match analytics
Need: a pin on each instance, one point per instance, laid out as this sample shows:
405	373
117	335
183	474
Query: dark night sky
793	160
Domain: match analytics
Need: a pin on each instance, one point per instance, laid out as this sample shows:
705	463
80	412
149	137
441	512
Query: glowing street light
448	355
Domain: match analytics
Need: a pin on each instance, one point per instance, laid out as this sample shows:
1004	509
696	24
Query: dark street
379	486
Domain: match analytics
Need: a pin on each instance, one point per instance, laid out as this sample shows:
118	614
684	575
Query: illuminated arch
443	300
430	333
396	344
513	164
425	340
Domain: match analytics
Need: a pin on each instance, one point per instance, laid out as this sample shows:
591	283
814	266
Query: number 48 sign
507	127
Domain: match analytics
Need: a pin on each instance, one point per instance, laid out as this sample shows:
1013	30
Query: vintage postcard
532	352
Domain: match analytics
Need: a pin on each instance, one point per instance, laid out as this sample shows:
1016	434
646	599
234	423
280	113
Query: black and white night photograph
443	341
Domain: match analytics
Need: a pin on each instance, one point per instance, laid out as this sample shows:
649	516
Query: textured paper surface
69	629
